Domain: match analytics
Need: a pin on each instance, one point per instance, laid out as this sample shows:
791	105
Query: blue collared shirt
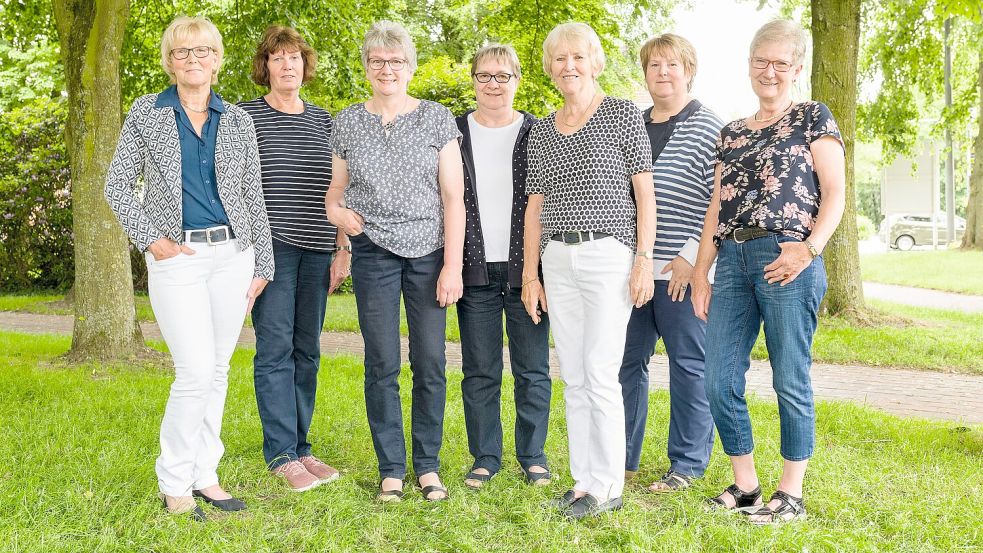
202	207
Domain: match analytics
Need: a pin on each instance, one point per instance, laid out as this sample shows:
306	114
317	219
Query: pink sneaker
321	470
296	476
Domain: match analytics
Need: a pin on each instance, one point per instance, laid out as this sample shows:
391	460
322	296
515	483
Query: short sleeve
445	127
635	145
534	175
821	123
340	144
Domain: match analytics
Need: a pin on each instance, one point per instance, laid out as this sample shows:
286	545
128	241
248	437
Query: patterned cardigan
149	147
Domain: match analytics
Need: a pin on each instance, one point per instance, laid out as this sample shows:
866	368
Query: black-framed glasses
780	65
394	64
182	53
487	77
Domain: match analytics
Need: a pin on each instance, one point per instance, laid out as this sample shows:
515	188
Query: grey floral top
392	173
768	179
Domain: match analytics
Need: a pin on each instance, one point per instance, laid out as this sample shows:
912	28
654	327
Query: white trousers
200	304
589	307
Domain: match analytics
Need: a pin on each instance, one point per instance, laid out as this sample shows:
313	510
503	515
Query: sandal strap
427	490
743	498
790	505
536	476
478	476
675	480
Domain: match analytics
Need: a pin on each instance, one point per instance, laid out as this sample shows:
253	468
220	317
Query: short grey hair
782	31
500	52
574	33
196	28
391	36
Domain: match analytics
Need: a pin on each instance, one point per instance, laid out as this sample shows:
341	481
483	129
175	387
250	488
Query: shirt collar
689	109
169	98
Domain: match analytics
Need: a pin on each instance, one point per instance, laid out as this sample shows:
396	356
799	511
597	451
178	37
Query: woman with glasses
397	192
778	196
683	133
311	261
201	221
493	146
587	161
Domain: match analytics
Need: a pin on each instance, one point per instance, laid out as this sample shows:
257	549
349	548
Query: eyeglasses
779	65
182	53
487	77
394	64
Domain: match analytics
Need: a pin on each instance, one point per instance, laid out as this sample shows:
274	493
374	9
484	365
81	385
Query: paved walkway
923	297
904	392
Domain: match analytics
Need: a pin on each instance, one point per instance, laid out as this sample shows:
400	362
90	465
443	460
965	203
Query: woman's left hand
795	257
255	289
682	274
450	285
341	267
641	285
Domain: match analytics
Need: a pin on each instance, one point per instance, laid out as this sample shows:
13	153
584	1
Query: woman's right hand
346	220
534	298
701	296
165	248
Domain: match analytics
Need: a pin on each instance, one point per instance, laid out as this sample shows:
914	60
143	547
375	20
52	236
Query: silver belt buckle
208	235
736	240
580	238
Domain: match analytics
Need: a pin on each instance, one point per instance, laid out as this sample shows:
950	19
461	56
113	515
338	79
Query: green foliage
28	74
35	199
445	81
865	227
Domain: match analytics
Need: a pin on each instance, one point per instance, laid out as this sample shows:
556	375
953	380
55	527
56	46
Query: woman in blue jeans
494	143
397	192
778	196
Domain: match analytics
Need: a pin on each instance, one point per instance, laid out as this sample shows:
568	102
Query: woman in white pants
202	224
585	160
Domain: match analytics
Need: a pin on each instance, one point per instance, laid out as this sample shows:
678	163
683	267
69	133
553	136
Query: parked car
908	231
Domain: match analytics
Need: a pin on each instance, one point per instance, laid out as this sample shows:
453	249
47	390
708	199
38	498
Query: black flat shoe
229	505
590	506
563	502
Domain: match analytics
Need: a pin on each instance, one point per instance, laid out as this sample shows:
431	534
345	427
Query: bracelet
530	279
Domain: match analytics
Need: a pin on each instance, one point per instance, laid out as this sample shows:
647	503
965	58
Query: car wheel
904	242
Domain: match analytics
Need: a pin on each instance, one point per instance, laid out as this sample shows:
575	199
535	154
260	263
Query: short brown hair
498	52
277	38
670	45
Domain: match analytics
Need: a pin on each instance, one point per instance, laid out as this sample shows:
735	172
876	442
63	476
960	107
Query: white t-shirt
492	152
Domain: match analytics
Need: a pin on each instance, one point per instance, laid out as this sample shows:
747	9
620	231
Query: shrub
865	227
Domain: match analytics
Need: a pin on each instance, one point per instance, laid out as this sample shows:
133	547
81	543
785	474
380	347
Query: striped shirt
295	155
683	176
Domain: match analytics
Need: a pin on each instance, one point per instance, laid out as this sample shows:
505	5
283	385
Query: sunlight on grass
949	270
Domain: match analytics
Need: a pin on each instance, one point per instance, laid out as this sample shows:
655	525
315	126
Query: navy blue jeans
380	277
287	318
690	424
479	316
742	299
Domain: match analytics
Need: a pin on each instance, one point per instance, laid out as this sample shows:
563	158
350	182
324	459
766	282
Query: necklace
191	108
392	122
773	117
579	120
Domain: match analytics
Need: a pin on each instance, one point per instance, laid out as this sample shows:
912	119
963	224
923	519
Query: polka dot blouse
392	173
585	178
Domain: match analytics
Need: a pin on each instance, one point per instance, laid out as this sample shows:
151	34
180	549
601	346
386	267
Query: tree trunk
91	35
973	239
836	33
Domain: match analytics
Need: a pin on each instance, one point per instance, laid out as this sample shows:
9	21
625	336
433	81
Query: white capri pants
589	307
200	304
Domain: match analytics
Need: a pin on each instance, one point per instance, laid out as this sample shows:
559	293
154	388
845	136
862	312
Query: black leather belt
577	236
214	236
742	235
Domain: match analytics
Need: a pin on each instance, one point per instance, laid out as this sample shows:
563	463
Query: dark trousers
479	316
690	424
287	318
380	277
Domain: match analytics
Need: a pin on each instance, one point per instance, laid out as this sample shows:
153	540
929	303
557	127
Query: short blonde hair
782	31
500	52
671	46
574	33
183	28
391	36
277	38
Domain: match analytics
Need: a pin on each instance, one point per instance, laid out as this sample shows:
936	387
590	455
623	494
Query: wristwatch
346	248
812	248
646	254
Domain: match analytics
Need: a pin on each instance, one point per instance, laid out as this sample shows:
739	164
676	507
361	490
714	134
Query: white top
492	148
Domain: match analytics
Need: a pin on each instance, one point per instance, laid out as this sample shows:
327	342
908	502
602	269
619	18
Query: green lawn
79	446
915	337
949	270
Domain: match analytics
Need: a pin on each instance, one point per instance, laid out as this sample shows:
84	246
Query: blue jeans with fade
690	424
742	300
380	277
479	315
287	318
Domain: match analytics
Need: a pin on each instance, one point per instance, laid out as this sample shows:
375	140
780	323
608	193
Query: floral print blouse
768	179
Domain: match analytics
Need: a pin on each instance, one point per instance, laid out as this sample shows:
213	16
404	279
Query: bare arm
641	283
707	253
347	221
533	295
450	176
